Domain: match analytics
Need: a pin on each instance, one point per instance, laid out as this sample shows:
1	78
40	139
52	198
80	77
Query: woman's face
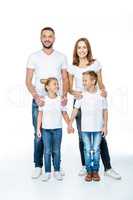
82	50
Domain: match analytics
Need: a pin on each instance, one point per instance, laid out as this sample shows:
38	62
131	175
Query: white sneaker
83	171
37	172
58	176
46	176
62	172
112	173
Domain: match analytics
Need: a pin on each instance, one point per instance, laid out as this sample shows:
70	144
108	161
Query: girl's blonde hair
47	81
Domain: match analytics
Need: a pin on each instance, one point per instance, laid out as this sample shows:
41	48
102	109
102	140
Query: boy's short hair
93	75
48	29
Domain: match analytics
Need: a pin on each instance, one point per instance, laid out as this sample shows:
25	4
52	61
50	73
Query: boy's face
53	86
87	81
47	39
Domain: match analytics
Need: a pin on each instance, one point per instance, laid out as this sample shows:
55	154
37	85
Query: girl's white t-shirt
52	113
46	66
78	71
92	106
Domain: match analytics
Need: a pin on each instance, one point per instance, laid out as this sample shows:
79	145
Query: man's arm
65	81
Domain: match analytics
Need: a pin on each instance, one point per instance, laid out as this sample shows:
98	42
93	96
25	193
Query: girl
50	117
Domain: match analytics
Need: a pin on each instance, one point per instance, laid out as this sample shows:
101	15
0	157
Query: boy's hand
103	93
104	131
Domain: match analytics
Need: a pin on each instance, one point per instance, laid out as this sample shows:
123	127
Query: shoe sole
119	178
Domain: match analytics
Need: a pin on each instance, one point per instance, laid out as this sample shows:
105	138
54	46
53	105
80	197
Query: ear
43	81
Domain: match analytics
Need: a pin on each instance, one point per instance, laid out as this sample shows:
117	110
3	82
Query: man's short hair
48	29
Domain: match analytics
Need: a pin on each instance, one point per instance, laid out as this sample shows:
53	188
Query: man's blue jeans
52	144
92	142
38	143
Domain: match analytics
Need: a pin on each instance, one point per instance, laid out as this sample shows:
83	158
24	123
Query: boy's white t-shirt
78	71
92	106
46	66
52	113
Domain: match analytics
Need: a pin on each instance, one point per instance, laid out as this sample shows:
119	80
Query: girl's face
53	86
82	50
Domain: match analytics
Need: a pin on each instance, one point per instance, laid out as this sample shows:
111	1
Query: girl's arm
39	123
65	117
73	115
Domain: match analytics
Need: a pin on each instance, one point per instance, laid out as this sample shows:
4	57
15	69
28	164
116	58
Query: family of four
54	78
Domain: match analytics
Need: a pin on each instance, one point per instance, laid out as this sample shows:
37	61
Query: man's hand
39	100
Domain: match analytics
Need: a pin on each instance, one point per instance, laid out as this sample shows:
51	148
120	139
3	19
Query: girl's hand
103	93
70	129
104	131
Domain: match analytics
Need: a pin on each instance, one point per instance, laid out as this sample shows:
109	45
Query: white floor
16	183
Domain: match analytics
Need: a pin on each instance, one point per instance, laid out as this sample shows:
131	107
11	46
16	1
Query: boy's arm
39	123
65	117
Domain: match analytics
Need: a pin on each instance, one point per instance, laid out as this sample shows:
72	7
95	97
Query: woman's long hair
89	54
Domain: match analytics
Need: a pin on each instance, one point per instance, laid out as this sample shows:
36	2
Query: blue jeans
38	143
92	142
52	144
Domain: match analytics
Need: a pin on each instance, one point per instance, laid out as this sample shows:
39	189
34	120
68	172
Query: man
43	64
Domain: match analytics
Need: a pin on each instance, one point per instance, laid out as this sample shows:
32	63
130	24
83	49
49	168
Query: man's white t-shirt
78	71
92	106
52	113
46	66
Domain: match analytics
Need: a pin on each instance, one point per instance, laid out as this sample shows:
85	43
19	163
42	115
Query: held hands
70	129
104	131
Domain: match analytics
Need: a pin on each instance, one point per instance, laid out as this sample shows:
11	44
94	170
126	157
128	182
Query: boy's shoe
58	176
113	174
37	172
83	171
95	176
88	177
46	176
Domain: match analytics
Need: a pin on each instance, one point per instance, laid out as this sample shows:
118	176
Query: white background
109	27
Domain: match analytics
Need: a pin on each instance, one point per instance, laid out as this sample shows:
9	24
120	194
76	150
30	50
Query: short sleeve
78	103
40	108
98	65
31	62
63	108
70	69
64	62
104	103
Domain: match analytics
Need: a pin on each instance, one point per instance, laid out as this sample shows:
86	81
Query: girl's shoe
83	171
58	176
95	176
88	177
46	177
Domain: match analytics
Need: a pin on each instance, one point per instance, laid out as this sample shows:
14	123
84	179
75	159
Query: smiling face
82	49
47	39
53	86
88	81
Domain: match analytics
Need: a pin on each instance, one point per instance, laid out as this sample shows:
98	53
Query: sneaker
37	172
58	176
46	176
83	171
88	177
62	172
112	173
95	176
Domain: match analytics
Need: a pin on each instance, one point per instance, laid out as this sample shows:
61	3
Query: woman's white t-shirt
52	113
46	66
78	71
92	106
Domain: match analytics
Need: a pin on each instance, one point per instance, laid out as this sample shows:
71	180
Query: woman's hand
39	134
77	94
64	100
103	93
104	131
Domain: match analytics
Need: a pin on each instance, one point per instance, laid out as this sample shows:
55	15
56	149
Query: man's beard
47	47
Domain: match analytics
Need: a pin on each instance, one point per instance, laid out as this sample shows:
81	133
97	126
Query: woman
83	61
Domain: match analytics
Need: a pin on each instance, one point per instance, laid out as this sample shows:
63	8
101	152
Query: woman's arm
100	84
76	94
39	123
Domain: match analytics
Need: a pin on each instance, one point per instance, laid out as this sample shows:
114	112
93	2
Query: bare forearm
31	89
105	118
39	120
73	115
66	117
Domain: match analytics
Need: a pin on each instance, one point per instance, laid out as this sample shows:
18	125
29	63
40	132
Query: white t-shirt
78	71
52	113
46	66
92	106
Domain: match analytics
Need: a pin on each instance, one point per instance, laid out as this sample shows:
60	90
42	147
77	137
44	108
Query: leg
47	141
56	147
105	154
38	143
87	150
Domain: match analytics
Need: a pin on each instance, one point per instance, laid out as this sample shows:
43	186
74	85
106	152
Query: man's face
47	39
